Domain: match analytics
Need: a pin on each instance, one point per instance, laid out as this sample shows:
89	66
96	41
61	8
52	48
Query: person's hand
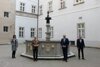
36	45
63	46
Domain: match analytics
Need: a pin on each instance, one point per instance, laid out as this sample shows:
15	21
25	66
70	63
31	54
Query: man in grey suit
14	44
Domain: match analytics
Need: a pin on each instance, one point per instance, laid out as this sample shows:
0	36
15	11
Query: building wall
27	23
25	19
65	21
28	5
7	6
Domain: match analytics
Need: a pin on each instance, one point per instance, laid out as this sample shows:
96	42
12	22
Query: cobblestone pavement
92	56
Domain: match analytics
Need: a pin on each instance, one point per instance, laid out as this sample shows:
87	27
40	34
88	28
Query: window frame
32	30
77	2
33	9
80	29
62	4
50	6
21	32
40	32
6	14
22	6
41	10
5	29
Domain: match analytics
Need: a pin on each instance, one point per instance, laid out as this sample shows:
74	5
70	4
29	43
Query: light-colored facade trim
26	14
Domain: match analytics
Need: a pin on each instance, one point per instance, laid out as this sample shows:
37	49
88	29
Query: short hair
14	36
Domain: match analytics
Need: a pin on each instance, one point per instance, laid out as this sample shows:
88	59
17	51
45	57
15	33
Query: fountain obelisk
48	33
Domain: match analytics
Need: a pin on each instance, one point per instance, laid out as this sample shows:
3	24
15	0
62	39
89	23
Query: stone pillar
48	33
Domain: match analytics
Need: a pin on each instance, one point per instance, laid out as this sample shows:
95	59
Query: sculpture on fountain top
48	18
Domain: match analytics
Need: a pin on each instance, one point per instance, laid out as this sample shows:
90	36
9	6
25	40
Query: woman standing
14	44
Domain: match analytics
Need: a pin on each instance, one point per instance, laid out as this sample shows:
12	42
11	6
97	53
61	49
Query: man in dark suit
65	44
80	46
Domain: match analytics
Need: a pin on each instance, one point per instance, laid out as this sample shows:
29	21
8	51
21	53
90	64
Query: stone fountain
47	49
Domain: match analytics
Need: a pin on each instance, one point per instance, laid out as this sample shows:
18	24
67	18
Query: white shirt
64	39
80	40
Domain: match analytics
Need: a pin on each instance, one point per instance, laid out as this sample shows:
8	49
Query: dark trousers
82	52
13	54
35	53
65	53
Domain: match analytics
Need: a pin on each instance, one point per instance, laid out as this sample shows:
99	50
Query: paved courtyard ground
92	59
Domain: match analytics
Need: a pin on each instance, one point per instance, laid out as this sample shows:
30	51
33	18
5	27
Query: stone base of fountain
46	50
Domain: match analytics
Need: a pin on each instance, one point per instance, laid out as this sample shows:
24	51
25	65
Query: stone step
48	58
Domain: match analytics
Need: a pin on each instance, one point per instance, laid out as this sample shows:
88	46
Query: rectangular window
6	14
52	33
33	9
5	28
50	6
78	2
32	34
22	7
41	10
62	4
81	30
21	32
40	33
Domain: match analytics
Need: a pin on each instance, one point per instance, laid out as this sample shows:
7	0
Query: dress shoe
66	61
83	58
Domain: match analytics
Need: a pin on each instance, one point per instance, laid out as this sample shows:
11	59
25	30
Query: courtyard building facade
26	20
72	18
7	20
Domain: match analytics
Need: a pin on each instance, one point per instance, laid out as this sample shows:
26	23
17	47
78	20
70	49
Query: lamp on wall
80	19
